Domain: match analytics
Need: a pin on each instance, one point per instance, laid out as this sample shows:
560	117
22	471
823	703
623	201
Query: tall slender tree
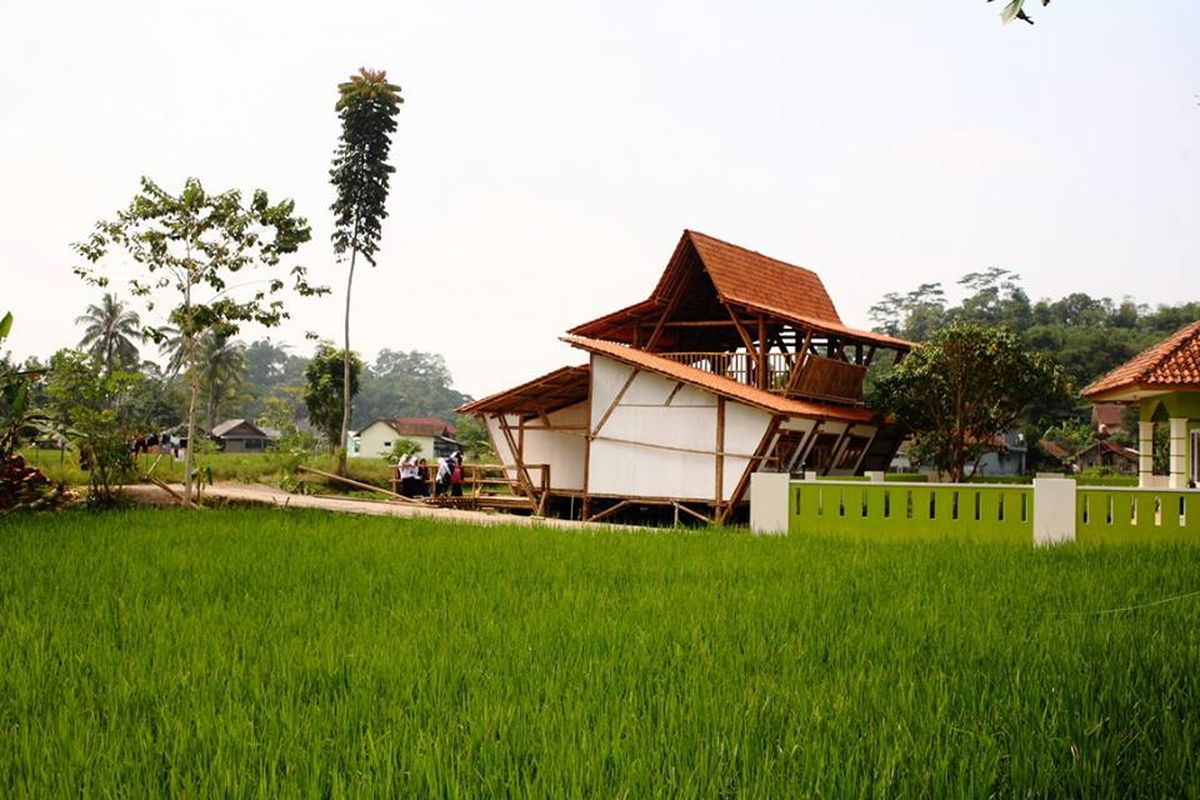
111	333
367	106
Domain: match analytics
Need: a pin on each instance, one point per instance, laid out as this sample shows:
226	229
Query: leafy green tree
111	333
413	384
87	407
965	387
367	107
914	316
192	251
473	436
402	448
272	373
323	384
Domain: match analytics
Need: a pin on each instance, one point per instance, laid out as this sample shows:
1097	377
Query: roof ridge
744	249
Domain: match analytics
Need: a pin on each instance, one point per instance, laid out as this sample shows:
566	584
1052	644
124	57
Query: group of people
448	479
155	443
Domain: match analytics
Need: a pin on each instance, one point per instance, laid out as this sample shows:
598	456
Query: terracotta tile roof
417	426
555	390
1054	450
1109	446
1173	363
717	384
752	279
742	278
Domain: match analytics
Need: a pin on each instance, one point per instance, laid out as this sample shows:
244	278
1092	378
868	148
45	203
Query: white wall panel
562	450
634	471
608	377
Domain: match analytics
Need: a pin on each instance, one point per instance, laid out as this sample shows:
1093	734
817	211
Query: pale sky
549	154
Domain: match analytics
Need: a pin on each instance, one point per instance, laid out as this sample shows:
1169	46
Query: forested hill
1087	335
394	384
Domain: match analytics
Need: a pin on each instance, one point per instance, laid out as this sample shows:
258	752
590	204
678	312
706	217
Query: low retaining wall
1049	511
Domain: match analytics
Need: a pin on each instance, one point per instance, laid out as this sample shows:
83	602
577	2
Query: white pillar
769	502
1179	464
1145	454
1053	510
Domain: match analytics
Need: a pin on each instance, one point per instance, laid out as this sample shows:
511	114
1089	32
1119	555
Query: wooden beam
672	304
762	352
358	485
518	458
719	458
681	507
608	512
633	373
760	453
802	357
671	396
742	332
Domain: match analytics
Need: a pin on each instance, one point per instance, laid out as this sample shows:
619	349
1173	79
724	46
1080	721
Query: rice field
251	653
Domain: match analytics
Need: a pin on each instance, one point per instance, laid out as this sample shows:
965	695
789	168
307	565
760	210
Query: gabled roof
416	426
742	279
1109	446
229	425
717	384
1172	364
555	390
1054	450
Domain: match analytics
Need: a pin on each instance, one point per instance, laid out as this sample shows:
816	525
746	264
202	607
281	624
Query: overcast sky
549	154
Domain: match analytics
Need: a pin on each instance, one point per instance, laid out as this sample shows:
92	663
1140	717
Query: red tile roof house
735	363
435	436
1164	383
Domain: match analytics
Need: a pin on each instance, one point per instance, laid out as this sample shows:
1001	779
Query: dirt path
269	495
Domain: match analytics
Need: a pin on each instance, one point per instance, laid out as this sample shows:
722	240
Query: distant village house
240	436
434	436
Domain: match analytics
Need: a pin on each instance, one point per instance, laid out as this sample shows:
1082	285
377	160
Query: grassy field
244	467
266	654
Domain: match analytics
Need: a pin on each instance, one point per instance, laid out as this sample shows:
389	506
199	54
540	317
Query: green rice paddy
269	654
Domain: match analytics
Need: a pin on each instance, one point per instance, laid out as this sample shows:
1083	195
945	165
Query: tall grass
265	654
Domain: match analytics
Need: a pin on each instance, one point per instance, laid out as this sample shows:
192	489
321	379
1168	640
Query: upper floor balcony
819	378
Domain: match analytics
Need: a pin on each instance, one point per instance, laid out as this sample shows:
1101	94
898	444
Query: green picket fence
913	510
1104	515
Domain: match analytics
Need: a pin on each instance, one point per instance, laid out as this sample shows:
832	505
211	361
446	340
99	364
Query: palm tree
111	333
224	371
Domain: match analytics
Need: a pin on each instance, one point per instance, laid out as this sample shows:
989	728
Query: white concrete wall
377	439
648	448
769	502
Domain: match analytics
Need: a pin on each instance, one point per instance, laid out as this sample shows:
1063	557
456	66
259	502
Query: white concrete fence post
769	502
1053	510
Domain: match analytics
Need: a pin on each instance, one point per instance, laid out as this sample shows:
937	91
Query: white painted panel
608	377
635	471
693	428
648	389
562	450
744	429
691	396
500	444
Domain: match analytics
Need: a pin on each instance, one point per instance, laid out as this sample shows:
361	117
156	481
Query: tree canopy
192	250
964	388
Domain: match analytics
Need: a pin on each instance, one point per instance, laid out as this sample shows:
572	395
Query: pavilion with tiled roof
736	362
1164	383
